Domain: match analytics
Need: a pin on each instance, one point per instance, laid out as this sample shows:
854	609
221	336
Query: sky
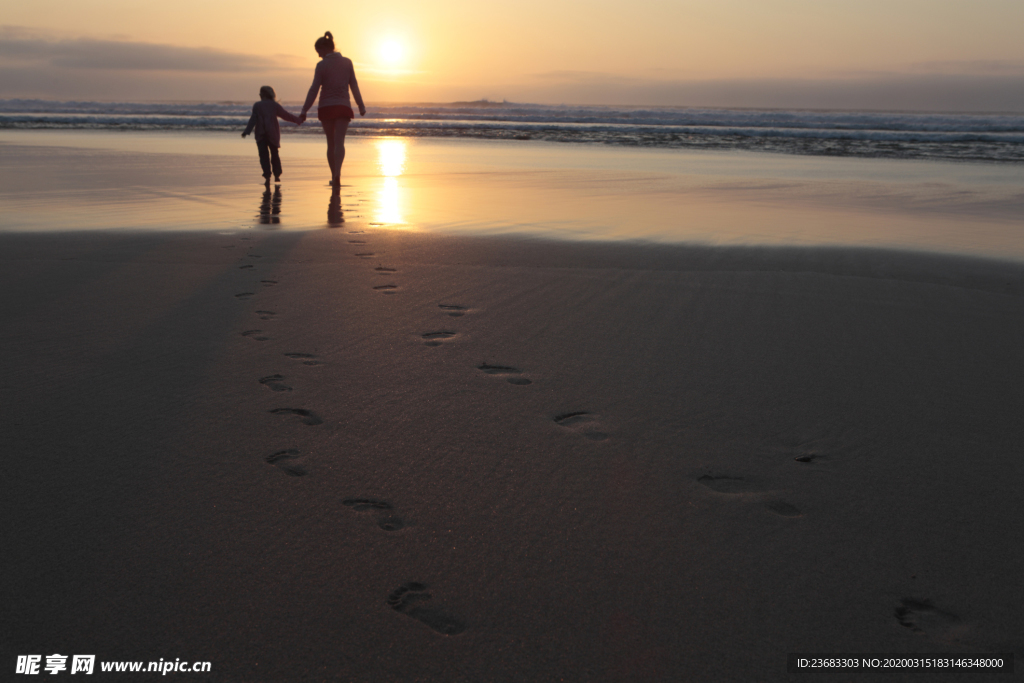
937	55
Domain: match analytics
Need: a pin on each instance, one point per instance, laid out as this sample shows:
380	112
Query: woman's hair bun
325	43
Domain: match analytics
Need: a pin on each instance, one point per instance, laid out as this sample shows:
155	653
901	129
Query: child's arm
352	83
252	122
283	113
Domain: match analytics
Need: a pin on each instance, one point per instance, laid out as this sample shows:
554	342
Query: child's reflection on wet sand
270	207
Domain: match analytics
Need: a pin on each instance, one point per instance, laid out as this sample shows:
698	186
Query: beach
557	414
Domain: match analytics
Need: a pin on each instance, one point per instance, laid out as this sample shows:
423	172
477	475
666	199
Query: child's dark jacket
264	120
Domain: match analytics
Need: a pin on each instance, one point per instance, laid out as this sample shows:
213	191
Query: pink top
333	77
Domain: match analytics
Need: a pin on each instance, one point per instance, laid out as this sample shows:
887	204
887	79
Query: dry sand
244	449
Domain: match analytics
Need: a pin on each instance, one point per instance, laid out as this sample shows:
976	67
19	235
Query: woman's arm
352	83
313	90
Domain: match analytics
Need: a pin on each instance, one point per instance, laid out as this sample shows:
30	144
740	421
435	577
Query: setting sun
391	53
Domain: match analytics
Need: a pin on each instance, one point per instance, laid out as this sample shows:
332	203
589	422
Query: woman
334	76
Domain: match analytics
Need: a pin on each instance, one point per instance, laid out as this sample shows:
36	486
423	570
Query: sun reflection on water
391	164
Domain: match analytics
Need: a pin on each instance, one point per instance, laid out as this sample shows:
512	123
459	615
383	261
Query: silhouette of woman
333	78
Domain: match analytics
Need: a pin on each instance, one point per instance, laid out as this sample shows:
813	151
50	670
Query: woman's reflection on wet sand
335	215
270	207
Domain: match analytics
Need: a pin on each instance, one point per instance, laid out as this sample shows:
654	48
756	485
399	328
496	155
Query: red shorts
335	111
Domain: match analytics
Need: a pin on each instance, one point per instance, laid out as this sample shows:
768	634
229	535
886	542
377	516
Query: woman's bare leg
340	129
329	127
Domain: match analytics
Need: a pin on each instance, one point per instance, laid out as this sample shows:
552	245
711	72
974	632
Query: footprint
922	616
386	522
365	254
387	289
266	315
248	265
505	370
268	283
454	310
726	484
808	445
390	523
357	241
355	232
567	419
581	420
782	508
363	504
288	462
434	338
254	334
307	417
254	256
273	382
408	599
385	269
739	485
243	295
306	358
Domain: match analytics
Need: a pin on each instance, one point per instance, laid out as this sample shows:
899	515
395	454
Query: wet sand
372	454
68	180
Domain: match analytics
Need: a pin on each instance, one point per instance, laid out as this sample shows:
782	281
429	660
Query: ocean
893	135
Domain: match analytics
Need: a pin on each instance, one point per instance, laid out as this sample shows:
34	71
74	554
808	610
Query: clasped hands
302	117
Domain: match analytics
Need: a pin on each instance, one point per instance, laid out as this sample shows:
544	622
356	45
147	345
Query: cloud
594	77
34	64
46	83
978	67
368	73
20	46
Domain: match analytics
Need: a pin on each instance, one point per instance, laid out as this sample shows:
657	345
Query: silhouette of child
268	133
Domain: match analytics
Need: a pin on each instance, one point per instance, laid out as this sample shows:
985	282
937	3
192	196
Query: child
268	132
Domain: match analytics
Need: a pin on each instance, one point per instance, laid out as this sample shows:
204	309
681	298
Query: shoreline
727	199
